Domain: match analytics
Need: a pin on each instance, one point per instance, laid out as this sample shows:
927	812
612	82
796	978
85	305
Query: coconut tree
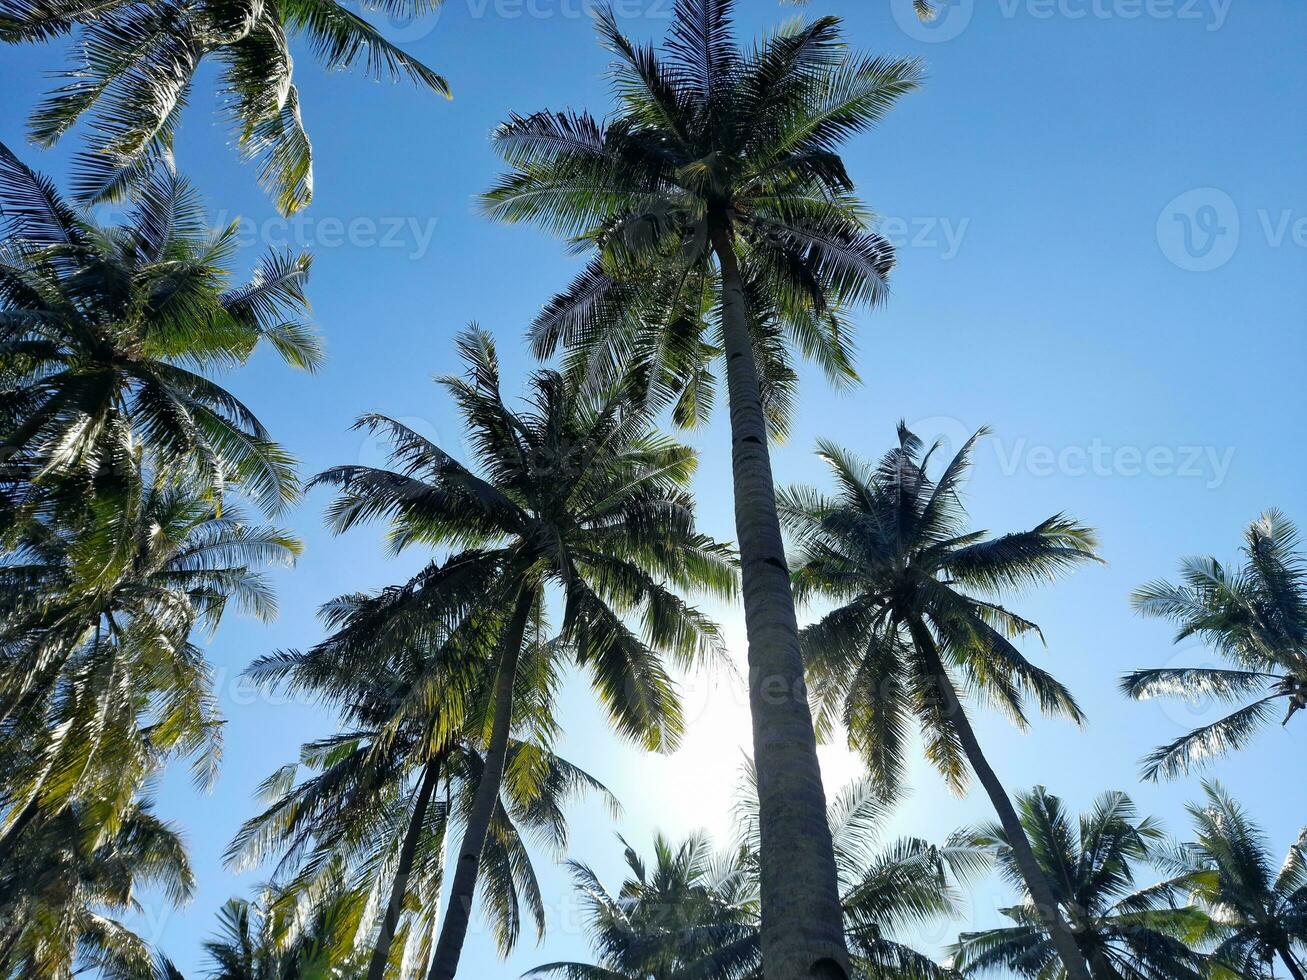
917	614
1126	932
1259	910
580	495
64	887
260	940
383	794
1254	615
109	335
132	66
724	229
693	912
102	679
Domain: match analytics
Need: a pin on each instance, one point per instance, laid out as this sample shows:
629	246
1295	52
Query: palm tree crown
694	912
713	150
1127	932
579	495
892	546
1255	616
134	63
107	336
917	605
99	653
1259	911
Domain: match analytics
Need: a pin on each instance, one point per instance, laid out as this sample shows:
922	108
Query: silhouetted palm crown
1255	616
1127	932
693	912
107	335
893	547
709	144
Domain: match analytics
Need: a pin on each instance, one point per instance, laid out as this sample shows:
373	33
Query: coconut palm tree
1255	616
64	887
108	337
1259	910
261	939
695	913
724	230
374	805
1126	932
101	679
133	63
917	606
579	494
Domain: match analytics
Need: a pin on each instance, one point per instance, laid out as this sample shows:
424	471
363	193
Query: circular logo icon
1198	231
947	19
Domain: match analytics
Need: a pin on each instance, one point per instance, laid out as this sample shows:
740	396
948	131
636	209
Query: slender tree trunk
1291	961
399	887
1041	893
802	921
453	931
19	824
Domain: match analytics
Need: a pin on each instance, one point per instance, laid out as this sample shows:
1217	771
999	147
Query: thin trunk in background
403	867
1041	893
453	931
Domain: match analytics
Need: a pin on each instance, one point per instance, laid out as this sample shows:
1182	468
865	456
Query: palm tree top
1092	864
1253	613
712	150
111	336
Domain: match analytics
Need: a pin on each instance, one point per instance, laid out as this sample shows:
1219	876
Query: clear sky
1139	354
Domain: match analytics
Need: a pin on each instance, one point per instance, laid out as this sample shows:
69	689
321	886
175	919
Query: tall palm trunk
802	922
449	947
404	866
1041	893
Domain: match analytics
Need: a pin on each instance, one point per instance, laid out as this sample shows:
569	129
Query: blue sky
1103	231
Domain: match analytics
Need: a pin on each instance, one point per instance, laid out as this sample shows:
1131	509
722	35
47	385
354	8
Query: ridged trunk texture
1064	940
802	921
453	931
403	867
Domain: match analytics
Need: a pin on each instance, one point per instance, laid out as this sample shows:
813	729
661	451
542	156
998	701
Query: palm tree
63	887
107	336
578	493
101	679
133	64
693	913
1255	616
1259	911
917	588
374	805
724	227
1125	932
259	940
